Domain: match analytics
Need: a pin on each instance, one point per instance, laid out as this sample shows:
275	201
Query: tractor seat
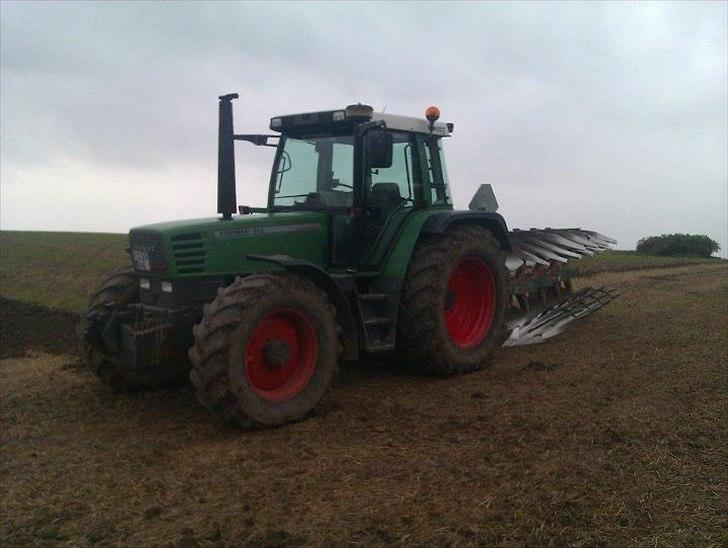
385	197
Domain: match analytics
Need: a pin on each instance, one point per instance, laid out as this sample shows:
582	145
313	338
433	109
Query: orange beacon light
432	114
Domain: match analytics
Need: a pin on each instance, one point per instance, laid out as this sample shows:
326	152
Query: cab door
390	195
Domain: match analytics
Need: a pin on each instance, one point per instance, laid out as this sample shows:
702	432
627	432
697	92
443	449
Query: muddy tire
118	288
454	301
265	350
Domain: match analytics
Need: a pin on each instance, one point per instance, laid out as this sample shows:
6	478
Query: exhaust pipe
227	202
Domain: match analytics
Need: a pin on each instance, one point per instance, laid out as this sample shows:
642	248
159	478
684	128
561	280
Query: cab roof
332	119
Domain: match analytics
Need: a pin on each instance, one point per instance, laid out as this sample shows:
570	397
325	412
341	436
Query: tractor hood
213	247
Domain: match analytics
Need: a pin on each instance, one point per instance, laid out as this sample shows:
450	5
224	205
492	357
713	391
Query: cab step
378	321
377	314
373	297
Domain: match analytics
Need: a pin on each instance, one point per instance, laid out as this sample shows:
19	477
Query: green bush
678	245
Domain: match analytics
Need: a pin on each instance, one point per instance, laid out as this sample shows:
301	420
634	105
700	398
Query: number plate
141	259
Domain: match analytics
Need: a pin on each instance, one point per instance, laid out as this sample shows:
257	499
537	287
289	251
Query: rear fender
438	222
493	222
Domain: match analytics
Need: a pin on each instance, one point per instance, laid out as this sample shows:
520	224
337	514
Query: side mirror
379	144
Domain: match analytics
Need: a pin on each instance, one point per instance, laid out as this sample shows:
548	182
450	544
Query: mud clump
540	366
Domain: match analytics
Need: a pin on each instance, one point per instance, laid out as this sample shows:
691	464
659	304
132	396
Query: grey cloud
570	104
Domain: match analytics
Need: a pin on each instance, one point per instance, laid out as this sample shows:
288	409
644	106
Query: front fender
337	291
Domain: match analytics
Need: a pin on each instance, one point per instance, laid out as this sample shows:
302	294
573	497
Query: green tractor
358	251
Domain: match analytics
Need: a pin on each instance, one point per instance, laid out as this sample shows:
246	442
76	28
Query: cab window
315	173
439	185
393	187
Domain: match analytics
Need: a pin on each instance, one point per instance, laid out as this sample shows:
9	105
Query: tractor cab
369	171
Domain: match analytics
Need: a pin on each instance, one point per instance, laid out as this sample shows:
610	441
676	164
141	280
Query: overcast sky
609	116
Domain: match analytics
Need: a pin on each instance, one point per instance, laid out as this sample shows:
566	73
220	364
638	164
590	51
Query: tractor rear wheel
265	350
454	300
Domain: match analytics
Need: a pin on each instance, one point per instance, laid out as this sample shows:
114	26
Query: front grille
147	251
189	253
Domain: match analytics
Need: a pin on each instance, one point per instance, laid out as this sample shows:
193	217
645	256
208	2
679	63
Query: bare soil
25	326
615	433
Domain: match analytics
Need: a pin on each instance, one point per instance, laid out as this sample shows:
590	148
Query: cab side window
393	187
439	186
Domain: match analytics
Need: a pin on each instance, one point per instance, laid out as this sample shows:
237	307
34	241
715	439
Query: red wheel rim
280	357
469	302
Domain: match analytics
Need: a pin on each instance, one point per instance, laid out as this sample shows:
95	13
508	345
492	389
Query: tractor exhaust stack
227	202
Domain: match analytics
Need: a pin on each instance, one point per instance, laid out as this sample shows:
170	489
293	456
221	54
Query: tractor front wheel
265	350
104	355
118	289
454	300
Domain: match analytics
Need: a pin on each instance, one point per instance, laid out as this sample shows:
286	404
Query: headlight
144	283
166	287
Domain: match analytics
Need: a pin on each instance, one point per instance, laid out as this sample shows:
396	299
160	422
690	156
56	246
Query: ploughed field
614	433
